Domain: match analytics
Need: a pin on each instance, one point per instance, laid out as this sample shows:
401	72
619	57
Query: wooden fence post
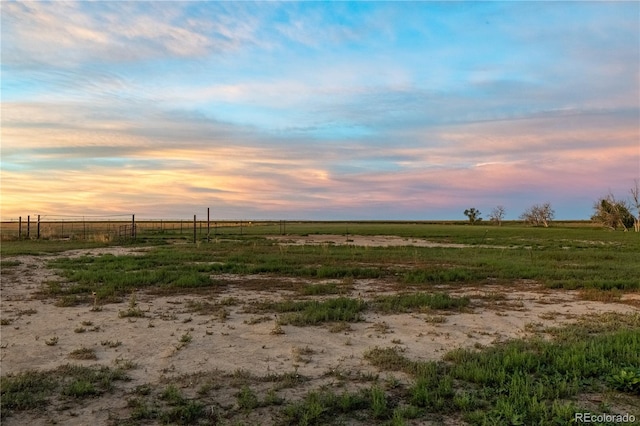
28	227
20	228
38	234
133	226
208	226
194	229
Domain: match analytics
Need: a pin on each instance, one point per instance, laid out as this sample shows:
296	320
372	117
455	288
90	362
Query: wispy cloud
313	110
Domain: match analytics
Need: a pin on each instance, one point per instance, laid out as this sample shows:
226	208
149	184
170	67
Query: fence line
111	227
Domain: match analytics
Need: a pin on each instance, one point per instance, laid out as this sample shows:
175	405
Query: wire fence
118	227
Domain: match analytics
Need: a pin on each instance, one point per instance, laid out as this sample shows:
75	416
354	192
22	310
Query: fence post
194	229
84	229
38	227
20	227
208	226
28	227
133	225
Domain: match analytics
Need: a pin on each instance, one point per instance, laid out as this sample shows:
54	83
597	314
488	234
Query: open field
322	323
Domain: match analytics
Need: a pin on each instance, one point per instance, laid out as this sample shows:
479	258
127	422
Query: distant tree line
537	215
609	211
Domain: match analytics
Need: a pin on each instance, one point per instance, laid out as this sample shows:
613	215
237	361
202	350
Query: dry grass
83	353
598	295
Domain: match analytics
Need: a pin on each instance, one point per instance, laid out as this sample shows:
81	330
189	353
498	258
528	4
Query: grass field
362	295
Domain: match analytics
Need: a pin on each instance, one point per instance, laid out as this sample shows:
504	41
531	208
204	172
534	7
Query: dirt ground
241	339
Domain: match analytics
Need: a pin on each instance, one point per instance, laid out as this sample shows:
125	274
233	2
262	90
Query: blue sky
318	110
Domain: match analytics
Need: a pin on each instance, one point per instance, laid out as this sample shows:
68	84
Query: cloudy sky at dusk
317	110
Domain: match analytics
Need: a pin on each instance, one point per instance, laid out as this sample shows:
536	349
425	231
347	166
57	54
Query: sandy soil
242	339
367	241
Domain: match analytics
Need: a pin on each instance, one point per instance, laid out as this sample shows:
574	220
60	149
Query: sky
317	110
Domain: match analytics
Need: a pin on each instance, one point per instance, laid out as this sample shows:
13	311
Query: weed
229	301
185	339
124	364
247	398
201	307
627	380
340	327
133	311
186	413
314	312
172	395
321	289
302	354
80	388
83	353
272	398
52	341
411	301
257	320
277	330
25	391
68	301
143	389
599	295
379	405
31	389
6	321
382	327
435	319
389	359
111	343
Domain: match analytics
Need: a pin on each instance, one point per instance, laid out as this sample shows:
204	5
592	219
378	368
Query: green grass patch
322	289
563	257
525	381
9	263
32	390
316	312
412	301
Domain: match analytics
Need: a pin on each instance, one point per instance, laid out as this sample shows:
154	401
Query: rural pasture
323	323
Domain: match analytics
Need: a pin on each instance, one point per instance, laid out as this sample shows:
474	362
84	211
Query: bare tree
497	214
612	213
539	214
635	194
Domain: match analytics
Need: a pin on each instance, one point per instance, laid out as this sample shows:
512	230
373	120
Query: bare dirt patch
368	241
